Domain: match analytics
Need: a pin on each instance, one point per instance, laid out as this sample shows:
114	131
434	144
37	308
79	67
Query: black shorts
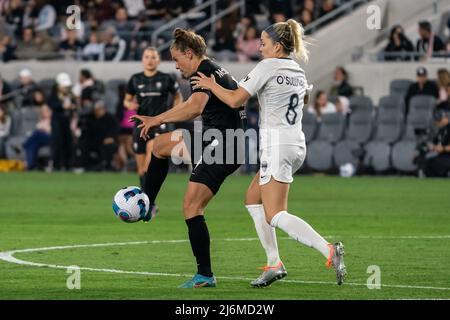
139	144
205	169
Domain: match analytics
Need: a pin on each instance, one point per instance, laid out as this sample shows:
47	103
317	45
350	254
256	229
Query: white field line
8	256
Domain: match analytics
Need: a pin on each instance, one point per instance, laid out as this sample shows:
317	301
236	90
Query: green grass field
401	225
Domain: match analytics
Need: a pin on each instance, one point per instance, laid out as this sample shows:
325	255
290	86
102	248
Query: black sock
155	176
142	181
199	238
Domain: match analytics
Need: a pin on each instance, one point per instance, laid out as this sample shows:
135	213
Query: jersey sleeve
257	78
207	72
130	87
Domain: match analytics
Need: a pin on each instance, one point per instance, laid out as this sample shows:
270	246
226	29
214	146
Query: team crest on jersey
247	78
158	85
141	86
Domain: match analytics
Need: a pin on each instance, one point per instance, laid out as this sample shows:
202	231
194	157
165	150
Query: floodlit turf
401	225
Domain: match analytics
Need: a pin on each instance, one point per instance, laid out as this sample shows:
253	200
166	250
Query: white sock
301	231
266	233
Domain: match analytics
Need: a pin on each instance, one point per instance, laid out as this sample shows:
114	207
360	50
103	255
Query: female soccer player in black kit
147	93
188	52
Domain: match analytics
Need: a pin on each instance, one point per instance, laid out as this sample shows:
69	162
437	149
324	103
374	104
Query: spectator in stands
62	104
41	136
341	87
93	49
277	16
5	91
248	46
46	17
423	86
281	7
443	81
241	27
399	46
224	44
14	12
322	105
7	48
429	44
123	115
103	134
5	129
113	47
122	25
71	48
27	87
26	48
86	90
326	7
305	17
103	10
310	5
439	165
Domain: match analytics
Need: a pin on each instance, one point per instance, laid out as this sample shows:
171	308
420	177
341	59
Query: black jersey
216	113
152	92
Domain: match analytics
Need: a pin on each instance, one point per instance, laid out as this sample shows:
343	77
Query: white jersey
281	86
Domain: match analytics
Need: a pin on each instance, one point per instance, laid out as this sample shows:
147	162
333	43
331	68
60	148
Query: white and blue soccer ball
131	204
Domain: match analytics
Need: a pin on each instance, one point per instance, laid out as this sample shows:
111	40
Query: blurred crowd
117	30
428	45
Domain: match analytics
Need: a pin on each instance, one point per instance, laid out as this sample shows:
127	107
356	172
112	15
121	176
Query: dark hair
86	73
185	39
425	25
344	72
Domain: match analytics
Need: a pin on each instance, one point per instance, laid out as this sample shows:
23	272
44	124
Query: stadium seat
360	126
377	156
320	156
113	84
347	152
111	99
25	123
309	126
46	85
389	124
399	87
361	102
331	128
403	154
392	104
422	104
417	120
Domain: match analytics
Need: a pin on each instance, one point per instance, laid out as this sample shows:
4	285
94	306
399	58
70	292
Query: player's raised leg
159	165
274	197
274	269
195	201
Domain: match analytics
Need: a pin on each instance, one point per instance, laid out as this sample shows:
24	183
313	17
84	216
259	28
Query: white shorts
281	162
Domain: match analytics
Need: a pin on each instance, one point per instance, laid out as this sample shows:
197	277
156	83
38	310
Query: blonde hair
291	36
187	39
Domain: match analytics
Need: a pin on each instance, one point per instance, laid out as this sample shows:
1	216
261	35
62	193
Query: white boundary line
8	256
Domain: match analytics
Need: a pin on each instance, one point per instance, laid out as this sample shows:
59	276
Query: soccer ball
131	204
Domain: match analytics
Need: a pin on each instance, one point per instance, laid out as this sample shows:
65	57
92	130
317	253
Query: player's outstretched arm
234	98
129	102
187	110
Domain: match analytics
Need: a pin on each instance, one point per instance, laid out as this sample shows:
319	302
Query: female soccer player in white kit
282	91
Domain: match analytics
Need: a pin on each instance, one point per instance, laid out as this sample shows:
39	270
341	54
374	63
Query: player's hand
203	82
146	124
